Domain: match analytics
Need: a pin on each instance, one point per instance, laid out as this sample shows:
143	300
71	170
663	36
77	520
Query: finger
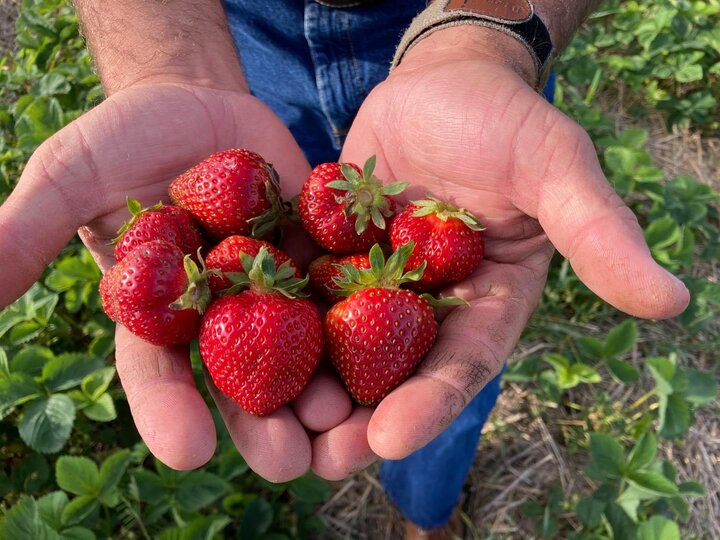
472	345
344	449
323	404
168	410
274	446
587	221
26	237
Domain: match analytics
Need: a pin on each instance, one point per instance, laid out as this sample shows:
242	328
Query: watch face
506	10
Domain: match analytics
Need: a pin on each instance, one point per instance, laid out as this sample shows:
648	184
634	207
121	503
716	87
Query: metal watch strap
515	18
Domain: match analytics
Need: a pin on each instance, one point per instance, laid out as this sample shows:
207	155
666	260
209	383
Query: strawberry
380	333
344	209
226	258
448	239
157	293
262	345
324	270
159	222
231	192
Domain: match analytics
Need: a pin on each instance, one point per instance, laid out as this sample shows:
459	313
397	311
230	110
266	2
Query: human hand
134	144
459	119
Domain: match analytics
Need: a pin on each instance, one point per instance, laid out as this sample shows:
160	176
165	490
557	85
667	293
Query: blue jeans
313	66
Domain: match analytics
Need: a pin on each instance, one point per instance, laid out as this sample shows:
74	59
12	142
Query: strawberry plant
73	465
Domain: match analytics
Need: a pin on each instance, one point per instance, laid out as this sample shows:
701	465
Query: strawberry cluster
260	337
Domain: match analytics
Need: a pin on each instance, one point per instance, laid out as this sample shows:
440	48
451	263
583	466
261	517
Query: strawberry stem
197	295
365	197
136	210
444	211
262	274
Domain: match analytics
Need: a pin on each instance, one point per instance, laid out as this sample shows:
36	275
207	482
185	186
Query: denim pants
314	65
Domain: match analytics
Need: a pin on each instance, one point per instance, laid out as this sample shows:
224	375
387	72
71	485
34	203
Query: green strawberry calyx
279	210
365	197
389	274
262	274
136	210
445	211
197	294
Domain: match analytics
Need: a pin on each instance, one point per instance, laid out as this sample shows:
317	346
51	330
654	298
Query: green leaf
662	233
200	528
652	482
51	506
687	74
634	138
150	487
112	470
198	489
692	489
79	508
622	526
675	416
623	372
662	370
42	117
643	453
77	533
310	488
584	373
607	454
102	409
256	520
31	474
51	84
31	360
590	347
22	522
621	339
589	511
68	370
17	389
77	475
701	387
369	167
658	528
47	422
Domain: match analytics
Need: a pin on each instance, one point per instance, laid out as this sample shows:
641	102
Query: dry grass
8	13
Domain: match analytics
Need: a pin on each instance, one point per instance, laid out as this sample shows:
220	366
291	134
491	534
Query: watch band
516	18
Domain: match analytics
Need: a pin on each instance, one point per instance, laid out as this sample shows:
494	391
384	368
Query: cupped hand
456	119
134	144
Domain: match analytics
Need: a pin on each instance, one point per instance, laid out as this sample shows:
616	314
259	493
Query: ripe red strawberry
157	293
159	222
261	346
231	192
448	239
380	333
344	211
226	258
324	270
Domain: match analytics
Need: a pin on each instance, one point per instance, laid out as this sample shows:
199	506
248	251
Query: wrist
469	42
198	74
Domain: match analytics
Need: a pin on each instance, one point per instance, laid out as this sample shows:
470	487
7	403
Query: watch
516	18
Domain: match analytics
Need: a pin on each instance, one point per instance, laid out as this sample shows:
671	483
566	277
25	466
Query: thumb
559	181
45	210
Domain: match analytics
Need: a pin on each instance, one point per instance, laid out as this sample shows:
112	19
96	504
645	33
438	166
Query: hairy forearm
141	41
563	17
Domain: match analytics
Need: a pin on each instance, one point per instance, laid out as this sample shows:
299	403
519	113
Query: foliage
666	53
73	466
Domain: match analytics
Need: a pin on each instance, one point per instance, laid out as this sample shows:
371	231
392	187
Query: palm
140	139
474	133
134	144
